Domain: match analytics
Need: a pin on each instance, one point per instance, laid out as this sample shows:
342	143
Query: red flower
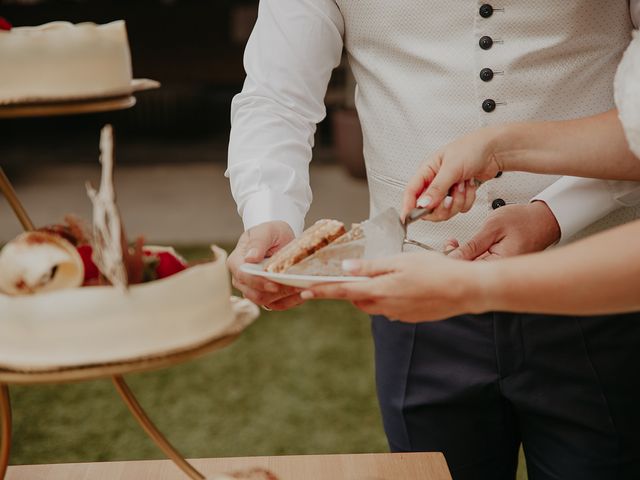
161	264
4	24
169	265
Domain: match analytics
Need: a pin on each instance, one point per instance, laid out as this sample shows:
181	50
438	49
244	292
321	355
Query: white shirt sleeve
578	202
627	93
294	47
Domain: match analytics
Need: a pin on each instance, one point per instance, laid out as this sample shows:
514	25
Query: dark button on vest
497	203
486	10
489	105
486	74
486	43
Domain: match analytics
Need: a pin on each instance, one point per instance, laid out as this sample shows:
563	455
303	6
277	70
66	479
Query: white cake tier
63	61
98	325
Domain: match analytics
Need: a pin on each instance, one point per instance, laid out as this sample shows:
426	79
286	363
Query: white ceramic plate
298	281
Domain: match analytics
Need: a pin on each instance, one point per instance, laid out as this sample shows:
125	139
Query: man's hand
255	245
511	230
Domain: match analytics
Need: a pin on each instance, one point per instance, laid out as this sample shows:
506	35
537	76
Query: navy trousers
476	387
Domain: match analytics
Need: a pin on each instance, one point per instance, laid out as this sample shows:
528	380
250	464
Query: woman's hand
447	180
569	147
412	287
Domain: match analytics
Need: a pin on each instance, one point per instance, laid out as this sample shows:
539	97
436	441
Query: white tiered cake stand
244	314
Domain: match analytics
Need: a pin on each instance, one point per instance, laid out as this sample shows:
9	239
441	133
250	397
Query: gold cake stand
115	371
69	107
75	106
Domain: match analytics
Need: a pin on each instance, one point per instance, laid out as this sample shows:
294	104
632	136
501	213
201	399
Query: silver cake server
386	235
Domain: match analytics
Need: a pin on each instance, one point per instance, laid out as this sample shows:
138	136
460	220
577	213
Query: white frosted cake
63	61
71	297
98	325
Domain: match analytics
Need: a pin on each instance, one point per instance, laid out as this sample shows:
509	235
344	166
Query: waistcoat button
489	105
497	203
486	43
486	74
486	10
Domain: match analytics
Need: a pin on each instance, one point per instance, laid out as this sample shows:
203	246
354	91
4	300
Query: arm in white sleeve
294	47
578	202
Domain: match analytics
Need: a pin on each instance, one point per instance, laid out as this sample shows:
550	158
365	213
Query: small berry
91	272
4	24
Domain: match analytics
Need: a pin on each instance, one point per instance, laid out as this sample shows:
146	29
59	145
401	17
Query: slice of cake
63	61
319	235
320	250
327	261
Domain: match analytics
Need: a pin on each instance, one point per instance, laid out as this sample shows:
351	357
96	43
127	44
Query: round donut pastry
38	262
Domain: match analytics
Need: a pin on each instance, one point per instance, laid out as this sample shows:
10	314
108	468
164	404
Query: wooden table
388	466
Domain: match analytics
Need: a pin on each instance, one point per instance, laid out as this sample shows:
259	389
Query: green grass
298	382
295	383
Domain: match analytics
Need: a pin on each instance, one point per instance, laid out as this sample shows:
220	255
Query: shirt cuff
577	203
269	206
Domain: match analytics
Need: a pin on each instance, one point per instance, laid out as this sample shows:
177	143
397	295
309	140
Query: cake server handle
416	214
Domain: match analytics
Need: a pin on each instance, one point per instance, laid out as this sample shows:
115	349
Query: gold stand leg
5	400
152	431
5	433
10	194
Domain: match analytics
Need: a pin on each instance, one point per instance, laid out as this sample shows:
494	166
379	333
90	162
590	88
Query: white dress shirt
627	96
627	92
416	66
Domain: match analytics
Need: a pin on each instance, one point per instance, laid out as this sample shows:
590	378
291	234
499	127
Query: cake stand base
134	407
152	431
115	372
5	429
